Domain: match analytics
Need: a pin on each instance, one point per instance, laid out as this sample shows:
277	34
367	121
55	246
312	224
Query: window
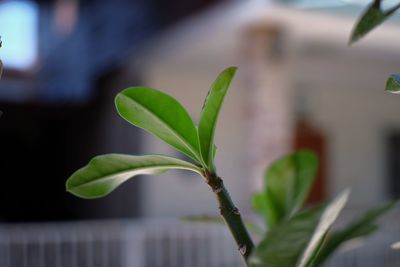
19	32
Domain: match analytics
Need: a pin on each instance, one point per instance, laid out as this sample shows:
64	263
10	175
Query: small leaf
296	241
209	114
361	227
161	115
288	182
327	219
105	173
372	17
396	246
393	84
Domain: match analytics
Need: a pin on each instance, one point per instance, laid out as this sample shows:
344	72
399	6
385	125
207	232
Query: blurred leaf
396	246
393	84
209	114
284	244
260	203
327	219
105	173
296	241
360	227
254	228
161	115
288	182
372	17
251	226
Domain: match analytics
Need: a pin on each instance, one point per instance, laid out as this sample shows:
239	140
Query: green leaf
393	84
261	204
295	242
288	182
327	219
209	114
105	173
372	17
161	115
361	227
284	244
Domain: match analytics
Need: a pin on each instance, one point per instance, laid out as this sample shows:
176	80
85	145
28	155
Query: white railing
116	244
155	243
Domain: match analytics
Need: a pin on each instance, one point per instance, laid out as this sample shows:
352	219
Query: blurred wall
345	91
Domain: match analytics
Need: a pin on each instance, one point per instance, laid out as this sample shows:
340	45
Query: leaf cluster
298	235
164	117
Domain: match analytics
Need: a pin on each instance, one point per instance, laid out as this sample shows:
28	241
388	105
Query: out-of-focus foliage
287	184
296	235
302	236
393	84
362	227
372	17
296	241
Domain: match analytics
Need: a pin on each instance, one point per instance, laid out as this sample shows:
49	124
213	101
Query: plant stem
231	215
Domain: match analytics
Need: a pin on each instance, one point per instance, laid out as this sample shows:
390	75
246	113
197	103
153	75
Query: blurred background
299	85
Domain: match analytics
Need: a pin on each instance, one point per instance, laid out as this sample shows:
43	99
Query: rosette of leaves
164	117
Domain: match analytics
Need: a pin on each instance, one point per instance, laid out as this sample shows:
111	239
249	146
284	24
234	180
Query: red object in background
307	136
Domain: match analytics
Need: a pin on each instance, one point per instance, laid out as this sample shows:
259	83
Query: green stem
231	215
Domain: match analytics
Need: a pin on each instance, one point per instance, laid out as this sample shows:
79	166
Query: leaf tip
351	40
393	84
230	70
344	196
